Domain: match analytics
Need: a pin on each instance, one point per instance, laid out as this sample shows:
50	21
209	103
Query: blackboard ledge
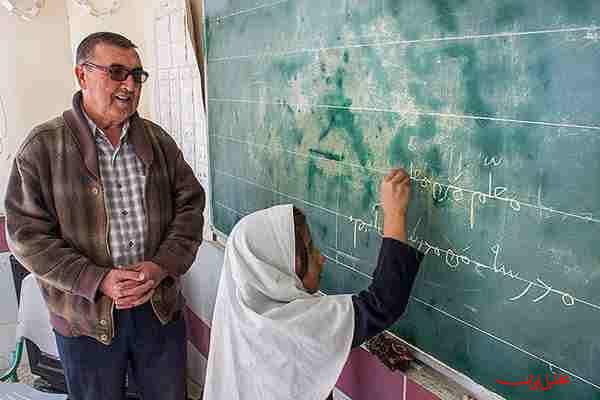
442	380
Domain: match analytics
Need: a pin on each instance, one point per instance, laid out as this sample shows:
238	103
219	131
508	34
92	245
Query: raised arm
378	307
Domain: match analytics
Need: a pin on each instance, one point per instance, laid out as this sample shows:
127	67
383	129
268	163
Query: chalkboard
492	106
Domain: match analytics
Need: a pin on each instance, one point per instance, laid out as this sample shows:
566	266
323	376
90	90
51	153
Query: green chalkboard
493	108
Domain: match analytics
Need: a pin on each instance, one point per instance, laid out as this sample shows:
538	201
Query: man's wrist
162	273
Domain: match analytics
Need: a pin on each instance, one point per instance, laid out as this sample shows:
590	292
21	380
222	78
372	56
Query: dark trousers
155	353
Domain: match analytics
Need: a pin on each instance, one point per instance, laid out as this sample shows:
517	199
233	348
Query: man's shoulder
53	125
158	132
47	131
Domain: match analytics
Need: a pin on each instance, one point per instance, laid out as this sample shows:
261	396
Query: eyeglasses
120	73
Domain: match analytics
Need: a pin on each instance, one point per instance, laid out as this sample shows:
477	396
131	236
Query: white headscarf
270	339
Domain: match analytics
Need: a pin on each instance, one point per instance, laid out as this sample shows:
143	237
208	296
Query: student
273	336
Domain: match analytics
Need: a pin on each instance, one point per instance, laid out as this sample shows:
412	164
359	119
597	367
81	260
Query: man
273	336
104	210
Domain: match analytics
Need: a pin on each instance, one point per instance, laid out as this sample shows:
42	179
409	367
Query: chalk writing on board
593	35
537	384
456	259
447	191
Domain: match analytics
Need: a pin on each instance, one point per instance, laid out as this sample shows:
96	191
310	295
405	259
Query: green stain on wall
521	142
398	153
427	126
487	135
433	159
421	61
508	13
289	68
313	176
576	10
207	37
418	90
339	117
368	197
447	11
326	154
291	136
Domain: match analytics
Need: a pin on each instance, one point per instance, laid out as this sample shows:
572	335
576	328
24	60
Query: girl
273	336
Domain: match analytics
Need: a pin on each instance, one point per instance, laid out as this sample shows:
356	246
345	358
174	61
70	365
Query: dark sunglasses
120	73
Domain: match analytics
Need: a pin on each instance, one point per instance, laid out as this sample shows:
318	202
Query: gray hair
85	50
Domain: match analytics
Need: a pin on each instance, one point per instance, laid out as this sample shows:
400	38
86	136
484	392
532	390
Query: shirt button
131	243
95	191
124	212
119	185
103	322
104	338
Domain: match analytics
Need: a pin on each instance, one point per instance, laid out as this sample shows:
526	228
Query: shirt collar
94	128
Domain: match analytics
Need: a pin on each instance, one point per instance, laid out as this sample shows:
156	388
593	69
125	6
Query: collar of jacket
137	136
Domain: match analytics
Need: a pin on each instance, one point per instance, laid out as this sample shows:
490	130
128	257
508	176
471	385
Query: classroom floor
24	373
26	377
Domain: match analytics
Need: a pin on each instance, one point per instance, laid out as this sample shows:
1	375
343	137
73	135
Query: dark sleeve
378	307
33	232
180	243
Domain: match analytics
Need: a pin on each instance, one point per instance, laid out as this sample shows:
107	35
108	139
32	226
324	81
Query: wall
35	76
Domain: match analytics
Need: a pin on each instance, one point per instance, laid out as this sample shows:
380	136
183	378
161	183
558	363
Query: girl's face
312	278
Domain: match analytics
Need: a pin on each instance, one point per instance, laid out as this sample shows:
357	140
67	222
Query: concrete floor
24	373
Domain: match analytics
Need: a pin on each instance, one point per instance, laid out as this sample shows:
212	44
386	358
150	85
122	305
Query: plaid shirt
123	180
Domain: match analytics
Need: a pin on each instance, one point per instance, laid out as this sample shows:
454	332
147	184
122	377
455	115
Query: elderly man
104	210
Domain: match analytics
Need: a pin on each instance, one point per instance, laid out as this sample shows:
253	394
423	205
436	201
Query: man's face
109	102
312	278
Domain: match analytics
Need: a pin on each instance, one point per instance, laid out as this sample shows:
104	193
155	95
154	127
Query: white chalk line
404	43
412	112
219	19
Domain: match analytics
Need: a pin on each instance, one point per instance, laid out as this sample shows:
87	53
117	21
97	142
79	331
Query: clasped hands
133	285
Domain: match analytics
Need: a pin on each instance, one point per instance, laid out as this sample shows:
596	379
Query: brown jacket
57	221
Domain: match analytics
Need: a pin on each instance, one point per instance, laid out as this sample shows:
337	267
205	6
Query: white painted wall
35	76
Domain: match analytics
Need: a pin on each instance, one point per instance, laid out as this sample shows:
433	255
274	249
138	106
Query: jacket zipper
107	226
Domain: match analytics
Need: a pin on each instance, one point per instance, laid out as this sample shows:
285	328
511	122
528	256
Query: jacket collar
138	137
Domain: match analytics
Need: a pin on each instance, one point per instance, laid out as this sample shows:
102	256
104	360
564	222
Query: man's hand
134	293
395	195
150	271
119	283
